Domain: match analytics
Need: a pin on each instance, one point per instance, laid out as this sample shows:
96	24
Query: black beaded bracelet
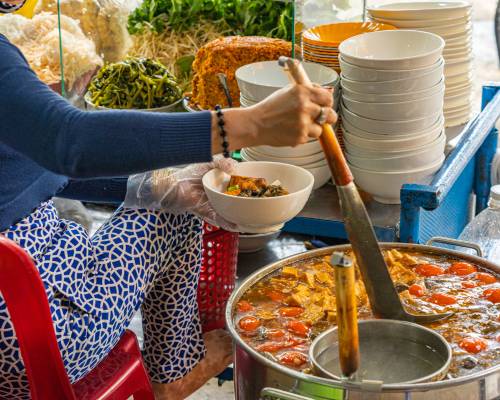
223	134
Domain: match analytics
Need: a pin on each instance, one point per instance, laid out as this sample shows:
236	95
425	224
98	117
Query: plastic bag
177	191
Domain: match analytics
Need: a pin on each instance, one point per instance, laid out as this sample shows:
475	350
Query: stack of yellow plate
320	44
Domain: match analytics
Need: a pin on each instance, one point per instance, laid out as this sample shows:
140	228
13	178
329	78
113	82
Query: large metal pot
257	377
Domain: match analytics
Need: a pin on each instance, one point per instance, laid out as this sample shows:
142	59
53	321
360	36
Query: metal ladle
375	352
384	299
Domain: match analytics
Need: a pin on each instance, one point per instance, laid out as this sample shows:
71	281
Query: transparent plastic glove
178	191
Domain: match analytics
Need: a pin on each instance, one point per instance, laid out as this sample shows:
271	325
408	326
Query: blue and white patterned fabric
96	284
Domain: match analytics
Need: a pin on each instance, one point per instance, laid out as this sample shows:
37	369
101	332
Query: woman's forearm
44	127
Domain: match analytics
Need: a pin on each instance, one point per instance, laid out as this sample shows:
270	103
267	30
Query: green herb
241	17
233	188
135	83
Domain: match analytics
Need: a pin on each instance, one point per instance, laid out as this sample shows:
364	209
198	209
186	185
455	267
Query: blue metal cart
442	208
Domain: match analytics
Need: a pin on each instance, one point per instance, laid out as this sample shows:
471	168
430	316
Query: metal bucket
257	377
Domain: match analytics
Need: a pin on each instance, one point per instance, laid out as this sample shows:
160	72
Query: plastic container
217	276
484	229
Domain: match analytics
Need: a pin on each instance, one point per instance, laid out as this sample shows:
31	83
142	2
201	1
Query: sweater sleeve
43	126
105	190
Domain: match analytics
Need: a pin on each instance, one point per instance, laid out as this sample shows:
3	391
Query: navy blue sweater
49	147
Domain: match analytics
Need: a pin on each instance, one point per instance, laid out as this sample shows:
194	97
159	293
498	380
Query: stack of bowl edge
392	109
452	22
320	44
259	80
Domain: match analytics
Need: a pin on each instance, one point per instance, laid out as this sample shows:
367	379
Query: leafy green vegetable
241	17
135	83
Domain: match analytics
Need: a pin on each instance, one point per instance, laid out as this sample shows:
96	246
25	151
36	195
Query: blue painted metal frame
333	229
443	207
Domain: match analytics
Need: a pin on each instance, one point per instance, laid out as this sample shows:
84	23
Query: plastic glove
178	191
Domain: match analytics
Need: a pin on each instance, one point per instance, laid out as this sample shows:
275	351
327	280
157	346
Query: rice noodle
169	46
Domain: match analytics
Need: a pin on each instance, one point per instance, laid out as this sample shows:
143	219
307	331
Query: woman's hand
178	191
286	118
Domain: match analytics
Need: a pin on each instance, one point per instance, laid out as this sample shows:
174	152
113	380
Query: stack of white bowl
258	81
452	21
392	109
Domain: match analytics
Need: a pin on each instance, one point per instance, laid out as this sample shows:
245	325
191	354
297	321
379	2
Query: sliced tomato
442	299
469	284
244	306
461	269
275	334
298	328
291	311
473	345
416	290
276	296
249	324
485	278
273	347
492	295
270	347
429	270
293	358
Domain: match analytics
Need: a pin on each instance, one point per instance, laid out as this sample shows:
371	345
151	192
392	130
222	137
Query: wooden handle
347	320
333	152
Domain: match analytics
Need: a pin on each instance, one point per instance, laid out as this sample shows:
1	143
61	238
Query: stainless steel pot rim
343	384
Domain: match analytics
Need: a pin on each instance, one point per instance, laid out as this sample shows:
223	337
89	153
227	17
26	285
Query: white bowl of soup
259	214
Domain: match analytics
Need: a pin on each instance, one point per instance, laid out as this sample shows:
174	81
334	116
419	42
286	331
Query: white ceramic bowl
259	80
459	100
421	10
385	187
398	49
461	68
356	73
461	119
396	111
300	161
459	80
363	96
321	175
407	160
260	215
359	145
455	38
252	243
447	30
427	80
422	23
302	150
457	56
399	127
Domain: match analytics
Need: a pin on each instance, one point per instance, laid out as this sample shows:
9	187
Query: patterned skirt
137	260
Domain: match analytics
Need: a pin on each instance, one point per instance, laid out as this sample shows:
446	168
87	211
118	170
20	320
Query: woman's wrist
240	127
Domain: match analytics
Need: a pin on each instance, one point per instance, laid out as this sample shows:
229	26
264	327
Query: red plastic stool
217	276
118	377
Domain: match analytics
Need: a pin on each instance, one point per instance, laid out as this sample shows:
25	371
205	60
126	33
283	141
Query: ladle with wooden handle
384	299
347	318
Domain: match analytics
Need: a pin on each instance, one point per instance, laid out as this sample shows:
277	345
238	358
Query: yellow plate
334	34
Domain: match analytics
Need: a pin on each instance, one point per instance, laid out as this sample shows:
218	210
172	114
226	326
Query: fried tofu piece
331	317
312	314
309	278
247	183
290	272
301	296
324	278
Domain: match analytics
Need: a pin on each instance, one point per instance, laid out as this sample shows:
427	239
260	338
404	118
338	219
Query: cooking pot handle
455	242
277	394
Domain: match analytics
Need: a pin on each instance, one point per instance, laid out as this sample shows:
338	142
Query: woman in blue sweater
146	259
